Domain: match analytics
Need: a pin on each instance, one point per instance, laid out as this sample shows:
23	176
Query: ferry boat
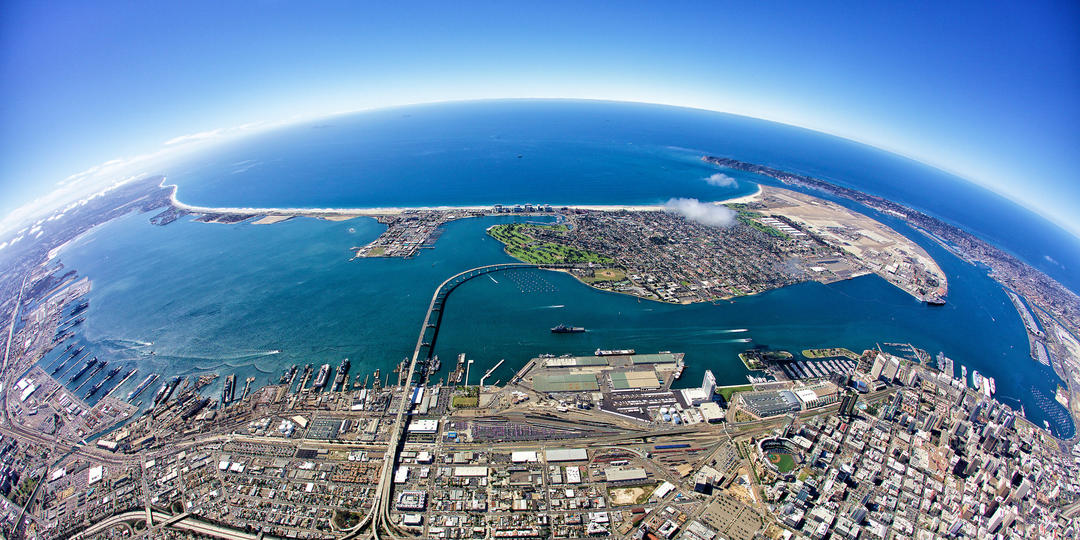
614	352
993	385
563	329
976	379
963	372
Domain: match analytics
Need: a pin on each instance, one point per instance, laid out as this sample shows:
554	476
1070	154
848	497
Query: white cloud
720	180
200	136
714	214
99	179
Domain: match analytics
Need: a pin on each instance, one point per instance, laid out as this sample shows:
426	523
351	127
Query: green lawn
747	218
605	274
784	462
728	391
519	240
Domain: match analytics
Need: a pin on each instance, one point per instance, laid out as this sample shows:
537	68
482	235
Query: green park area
728	391
520	241
834	352
748	217
605	274
466	398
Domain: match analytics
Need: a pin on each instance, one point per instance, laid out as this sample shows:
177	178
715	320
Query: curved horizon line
219	136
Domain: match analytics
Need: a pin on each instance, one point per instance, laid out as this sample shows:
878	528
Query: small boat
563	329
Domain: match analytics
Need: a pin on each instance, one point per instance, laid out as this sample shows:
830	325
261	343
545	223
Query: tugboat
563	329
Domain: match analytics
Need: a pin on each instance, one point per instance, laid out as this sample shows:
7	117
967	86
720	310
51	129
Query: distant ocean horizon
252	300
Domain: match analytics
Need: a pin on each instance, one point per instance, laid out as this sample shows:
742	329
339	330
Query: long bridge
379	518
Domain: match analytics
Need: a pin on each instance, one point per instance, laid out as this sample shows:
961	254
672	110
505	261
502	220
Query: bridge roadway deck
381	509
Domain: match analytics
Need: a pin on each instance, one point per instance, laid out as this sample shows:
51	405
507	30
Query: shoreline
348	213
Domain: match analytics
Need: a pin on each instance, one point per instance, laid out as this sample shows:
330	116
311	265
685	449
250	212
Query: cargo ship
93	390
229	390
459	371
563	329
342	372
89	364
66	360
93	372
614	352
142	386
166	390
73	323
322	378
304	378
934	300
287	375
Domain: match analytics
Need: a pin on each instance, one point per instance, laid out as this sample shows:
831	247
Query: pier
489	372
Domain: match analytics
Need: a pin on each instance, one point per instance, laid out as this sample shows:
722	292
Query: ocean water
585	152
247	299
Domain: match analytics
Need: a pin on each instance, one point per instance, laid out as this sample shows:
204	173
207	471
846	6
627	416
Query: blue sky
985	90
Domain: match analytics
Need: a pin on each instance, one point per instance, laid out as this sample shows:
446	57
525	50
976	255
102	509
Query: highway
380	512
181	522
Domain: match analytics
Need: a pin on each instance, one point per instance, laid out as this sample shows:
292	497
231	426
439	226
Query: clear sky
987	90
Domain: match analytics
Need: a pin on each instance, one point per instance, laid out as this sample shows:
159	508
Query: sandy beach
275	215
